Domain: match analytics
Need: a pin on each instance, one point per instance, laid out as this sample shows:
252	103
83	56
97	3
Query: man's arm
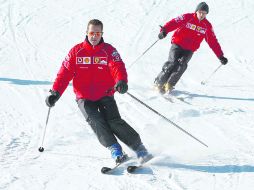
118	71
213	42
65	73
117	66
177	22
174	24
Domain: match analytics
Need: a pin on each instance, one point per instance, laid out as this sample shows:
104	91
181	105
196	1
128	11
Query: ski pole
142	54
168	120
41	149
205	81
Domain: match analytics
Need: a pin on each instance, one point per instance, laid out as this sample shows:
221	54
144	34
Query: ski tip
105	170
41	149
131	169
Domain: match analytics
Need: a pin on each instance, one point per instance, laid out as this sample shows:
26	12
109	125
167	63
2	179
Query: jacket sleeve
177	22
117	66
65	73
213	42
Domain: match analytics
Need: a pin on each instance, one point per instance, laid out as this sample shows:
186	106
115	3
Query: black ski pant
176	65
104	118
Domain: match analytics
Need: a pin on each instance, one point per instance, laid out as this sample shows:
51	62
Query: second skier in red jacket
190	30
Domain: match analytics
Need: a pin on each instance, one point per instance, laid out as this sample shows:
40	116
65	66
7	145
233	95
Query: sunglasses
95	33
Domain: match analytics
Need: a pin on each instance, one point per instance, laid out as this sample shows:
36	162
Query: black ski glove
162	34
52	98
121	86
223	60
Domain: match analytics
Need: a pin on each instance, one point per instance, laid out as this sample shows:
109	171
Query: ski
171	98
133	168
107	170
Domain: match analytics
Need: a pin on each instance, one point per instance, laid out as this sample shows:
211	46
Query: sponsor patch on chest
100	60
92	60
196	28
83	60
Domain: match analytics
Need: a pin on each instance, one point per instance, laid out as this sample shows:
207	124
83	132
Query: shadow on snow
193	95
26	82
210	169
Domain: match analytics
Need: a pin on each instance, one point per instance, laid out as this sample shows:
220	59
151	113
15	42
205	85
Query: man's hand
162	33
121	86
52	98
223	60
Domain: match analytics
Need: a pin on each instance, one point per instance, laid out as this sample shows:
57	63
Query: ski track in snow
35	37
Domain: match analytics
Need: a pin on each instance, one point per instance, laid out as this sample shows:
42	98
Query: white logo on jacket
100	60
116	56
196	28
179	18
83	60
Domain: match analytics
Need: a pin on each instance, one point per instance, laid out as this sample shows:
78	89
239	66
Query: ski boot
168	88
159	88
142	154
117	153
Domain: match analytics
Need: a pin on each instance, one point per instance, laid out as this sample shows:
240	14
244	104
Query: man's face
94	33
201	14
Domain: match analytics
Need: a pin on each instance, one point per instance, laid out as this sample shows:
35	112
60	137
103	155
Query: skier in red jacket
190	30
95	67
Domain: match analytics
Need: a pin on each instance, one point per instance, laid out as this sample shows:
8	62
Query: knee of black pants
183	66
169	66
125	133
97	122
108	108
166	67
102	131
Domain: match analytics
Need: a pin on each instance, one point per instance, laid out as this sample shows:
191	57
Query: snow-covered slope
36	35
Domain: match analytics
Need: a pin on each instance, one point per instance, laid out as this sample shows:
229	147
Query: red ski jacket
190	32
94	70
